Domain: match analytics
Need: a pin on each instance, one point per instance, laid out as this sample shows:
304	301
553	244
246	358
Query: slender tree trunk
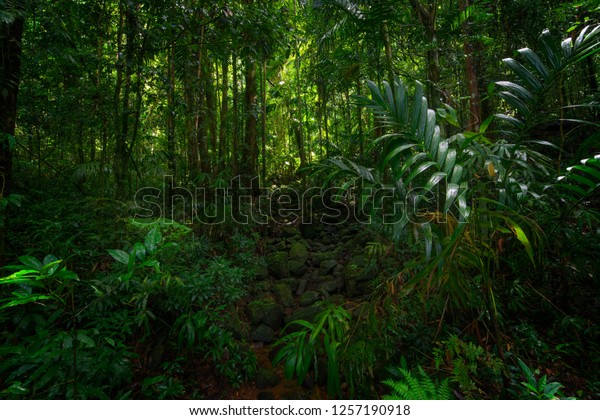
360	122
200	110
193	156
427	17
211	113
251	134
299	128
474	120
11	35
236	117
121	167
223	148
263	120
171	125
388	51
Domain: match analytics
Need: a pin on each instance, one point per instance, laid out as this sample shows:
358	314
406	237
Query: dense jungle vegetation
299	199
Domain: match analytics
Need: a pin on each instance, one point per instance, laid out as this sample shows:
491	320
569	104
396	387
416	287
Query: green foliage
301	349
580	181
65	364
68	347
537	389
46	276
496	236
43	361
199	334
468	365
416	386
542	74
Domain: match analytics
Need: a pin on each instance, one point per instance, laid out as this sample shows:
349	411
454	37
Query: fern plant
416	386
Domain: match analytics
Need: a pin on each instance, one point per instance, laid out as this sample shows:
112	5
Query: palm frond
541	74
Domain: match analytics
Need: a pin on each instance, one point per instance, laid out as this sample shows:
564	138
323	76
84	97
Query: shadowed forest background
425	173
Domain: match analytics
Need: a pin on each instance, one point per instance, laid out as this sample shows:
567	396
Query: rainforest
299	199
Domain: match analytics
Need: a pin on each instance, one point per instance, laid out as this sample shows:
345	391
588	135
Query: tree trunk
171	125
11	35
223	149
236	128
263	120
250	144
299	126
211	113
121	166
428	20
388	51
474	120
200	111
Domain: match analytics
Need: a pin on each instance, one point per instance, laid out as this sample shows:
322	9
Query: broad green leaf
519	90
86	340
30	262
49	259
583	180
153	239
139	250
449	161
50	268
442	152
395	152
411	161
119	255
66	275
515	122
22	300
457	174
515	102
567	47
522	237
451	194
419	170
551	53
22	276
523	73
434	180
535	61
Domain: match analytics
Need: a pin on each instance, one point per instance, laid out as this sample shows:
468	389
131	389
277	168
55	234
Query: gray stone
266	378
302	285
297	268
292	281
308	298
255	311
332	284
283	292
266	312
262	272
327	267
298	252
277	263
273	315
263	333
308	313
319	257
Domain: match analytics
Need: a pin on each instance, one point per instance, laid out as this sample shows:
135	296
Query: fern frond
416	386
